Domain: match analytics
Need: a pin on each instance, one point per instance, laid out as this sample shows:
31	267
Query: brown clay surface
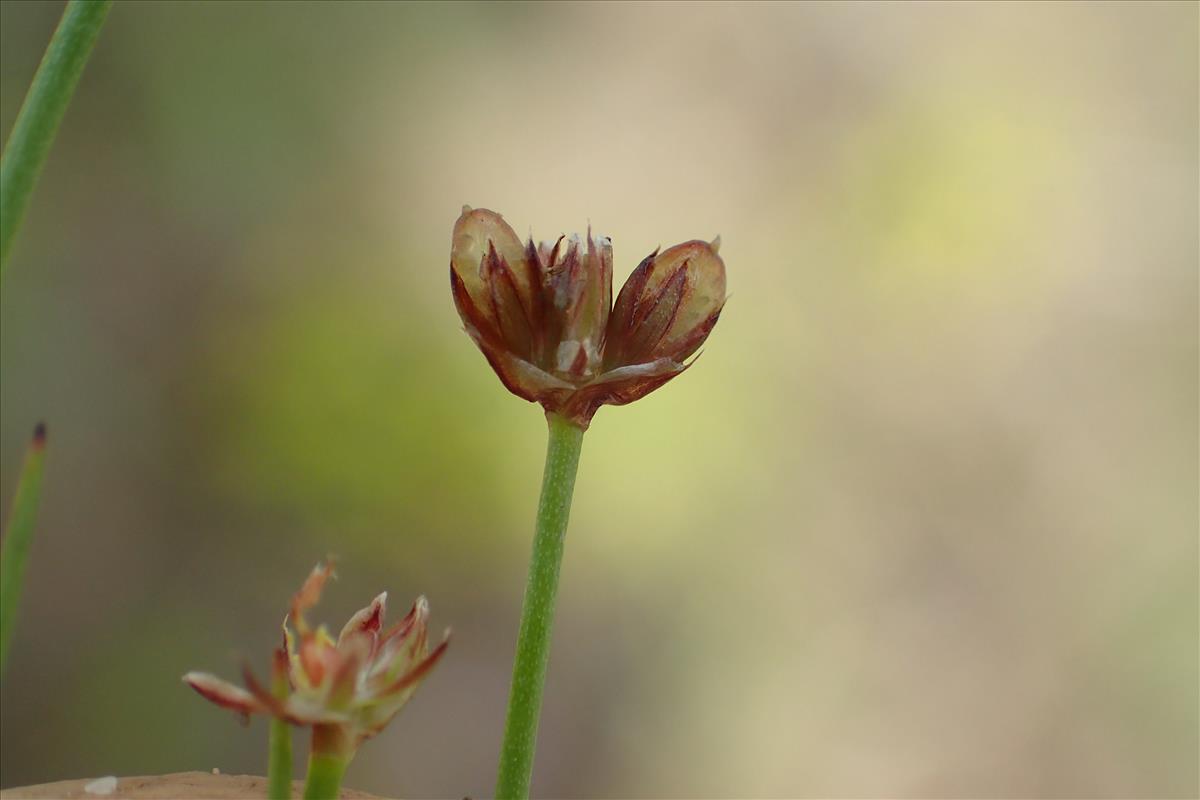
176	786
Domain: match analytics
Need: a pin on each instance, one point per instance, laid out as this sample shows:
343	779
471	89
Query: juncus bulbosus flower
348	689
545	320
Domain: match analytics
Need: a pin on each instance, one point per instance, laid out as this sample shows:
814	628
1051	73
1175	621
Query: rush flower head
545	320
351	686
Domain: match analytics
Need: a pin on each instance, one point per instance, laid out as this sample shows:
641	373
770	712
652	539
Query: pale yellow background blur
922	521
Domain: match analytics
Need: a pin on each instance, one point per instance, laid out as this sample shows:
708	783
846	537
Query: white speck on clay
102	786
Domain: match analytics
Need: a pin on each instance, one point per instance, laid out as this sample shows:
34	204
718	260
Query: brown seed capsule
544	317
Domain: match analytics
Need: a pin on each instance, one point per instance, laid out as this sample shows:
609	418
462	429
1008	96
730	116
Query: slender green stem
324	777
40	114
279	758
332	750
537	616
18	536
279	763
324	780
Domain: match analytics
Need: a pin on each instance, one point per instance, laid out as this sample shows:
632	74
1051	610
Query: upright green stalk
279	757
332	750
537	616
18	535
279	763
324	777
37	122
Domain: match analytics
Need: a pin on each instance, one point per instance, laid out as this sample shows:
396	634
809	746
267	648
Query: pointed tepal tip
39	435
716	244
466	209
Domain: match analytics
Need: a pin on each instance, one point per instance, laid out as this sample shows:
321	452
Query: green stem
324	777
537	616
279	757
332	750
40	114
279	763
18	536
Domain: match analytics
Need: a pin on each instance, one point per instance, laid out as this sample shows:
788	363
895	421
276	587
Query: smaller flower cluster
352	686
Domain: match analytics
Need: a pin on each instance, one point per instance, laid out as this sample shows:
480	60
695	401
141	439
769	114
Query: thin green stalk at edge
537	615
37	123
18	535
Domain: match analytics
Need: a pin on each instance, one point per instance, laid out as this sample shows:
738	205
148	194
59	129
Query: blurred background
922	522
